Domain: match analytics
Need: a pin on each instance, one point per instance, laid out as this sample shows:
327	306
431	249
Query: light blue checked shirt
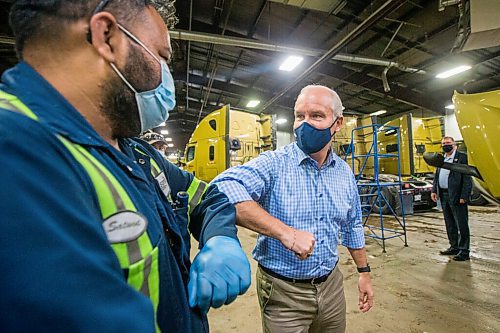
288	184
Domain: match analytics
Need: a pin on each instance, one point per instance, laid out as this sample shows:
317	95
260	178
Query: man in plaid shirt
301	199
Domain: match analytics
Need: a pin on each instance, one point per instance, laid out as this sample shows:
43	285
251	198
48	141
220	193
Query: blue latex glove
219	273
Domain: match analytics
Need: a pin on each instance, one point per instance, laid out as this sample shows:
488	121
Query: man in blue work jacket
95	227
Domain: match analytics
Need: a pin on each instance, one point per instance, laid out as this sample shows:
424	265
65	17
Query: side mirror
420	148
234	144
434	159
437	160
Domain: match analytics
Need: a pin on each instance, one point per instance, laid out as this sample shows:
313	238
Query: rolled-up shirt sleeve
246	182
353	235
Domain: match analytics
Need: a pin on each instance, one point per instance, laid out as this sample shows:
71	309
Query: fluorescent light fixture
170	145
453	71
280	121
290	63
168	139
253	103
450	107
378	113
164	132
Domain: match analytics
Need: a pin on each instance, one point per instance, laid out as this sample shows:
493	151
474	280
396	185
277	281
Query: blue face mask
310	139
153	105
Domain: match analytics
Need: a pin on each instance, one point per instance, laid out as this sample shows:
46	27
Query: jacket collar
49	105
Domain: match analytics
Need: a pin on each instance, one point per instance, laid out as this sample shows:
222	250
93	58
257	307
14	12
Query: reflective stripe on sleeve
195	192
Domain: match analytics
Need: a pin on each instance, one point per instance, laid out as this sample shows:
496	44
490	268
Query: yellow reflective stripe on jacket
17	104
137	256
155	168
195	192
154	282
112	199
102	186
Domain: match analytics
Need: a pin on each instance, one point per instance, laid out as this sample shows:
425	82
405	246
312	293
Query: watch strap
365	269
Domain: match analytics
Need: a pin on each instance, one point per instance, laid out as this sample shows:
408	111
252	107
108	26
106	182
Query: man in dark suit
454	190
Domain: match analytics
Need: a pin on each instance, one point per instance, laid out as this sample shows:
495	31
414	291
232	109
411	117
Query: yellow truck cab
227	137
478	117
418	135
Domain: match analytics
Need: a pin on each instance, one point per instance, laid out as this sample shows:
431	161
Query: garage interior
379	56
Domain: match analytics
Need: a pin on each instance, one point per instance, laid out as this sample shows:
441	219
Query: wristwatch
364	269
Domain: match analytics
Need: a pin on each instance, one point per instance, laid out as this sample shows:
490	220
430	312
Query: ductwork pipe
387	88
253	44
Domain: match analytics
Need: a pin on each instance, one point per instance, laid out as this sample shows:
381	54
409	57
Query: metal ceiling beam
400	94
381	31
348	76
233	90
382	11
252	29
389	28
477	62
411	98
254	44
338	30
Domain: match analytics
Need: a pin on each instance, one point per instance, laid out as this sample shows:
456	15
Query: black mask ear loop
336	119
89	36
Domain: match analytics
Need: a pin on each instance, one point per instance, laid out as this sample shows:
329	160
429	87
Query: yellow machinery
225	138
342	141
478	117
418	135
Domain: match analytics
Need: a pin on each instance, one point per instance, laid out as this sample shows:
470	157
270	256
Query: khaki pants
288	307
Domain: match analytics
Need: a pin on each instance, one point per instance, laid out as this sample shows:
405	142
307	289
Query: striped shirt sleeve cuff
235	191
354	238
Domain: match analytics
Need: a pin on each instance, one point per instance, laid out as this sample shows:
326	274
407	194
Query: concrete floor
416	289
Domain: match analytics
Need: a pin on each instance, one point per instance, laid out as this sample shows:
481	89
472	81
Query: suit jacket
459	185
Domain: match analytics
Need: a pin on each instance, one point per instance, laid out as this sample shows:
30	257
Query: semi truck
417	136
227	137
478	117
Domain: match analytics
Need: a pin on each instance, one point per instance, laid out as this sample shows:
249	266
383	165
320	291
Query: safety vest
137	256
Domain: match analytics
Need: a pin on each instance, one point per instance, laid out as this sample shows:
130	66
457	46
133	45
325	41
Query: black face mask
447	148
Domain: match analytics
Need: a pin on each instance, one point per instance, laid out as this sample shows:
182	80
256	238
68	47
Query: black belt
443	190
317	280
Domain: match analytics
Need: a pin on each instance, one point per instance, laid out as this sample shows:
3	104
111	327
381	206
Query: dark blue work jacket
58	272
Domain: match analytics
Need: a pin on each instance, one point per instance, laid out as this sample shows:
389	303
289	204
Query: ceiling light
378	113
280	121
164	132
450	107
253	103
290	63
168	139
170	145
453	71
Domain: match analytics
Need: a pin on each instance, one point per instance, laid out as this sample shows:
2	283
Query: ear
106	37
339	124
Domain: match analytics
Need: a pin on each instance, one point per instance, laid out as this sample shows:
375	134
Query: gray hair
336	105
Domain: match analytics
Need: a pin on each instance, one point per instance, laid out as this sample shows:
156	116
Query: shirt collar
452	156
49	105
301	156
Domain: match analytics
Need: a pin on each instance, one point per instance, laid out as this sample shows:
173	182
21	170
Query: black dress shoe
450	252
462	256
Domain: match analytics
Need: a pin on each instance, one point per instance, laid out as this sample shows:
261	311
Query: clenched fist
299	241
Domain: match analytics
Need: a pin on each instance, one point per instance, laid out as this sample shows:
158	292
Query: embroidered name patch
124	226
